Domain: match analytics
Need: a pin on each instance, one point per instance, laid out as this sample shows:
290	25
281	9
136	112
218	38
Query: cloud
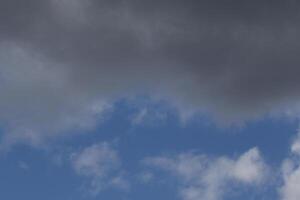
250	167
202	177
38	103
101	165
295	149
145	177
234	60
291	174
139	117
149	113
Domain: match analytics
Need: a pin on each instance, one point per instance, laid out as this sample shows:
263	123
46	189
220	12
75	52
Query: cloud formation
101	166
202	177
291	173
59	59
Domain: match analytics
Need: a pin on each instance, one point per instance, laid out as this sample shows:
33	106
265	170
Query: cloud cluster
59	59
198	176
202	177
101	166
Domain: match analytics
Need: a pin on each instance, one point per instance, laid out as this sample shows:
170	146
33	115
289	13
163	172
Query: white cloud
101	165
290	189
296	146
149	112
291	173
249	167
207	178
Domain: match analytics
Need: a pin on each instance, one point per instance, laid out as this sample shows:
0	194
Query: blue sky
49	172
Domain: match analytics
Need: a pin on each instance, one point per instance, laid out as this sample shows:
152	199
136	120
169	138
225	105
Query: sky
138	99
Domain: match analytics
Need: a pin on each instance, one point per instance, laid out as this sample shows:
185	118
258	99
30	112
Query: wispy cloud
101	166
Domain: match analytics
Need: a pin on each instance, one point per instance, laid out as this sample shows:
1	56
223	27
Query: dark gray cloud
236	59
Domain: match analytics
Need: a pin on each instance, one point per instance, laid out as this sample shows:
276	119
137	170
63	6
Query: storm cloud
62	62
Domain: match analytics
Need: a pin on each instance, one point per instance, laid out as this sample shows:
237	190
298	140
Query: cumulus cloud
101	166
236	60
291	174
202	177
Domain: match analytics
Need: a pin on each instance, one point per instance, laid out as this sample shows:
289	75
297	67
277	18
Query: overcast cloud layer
63	62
